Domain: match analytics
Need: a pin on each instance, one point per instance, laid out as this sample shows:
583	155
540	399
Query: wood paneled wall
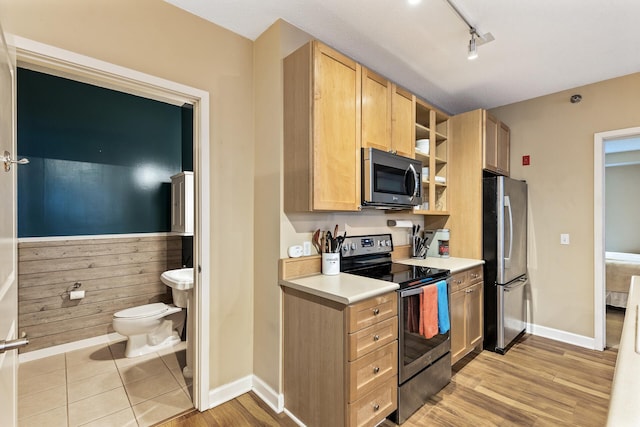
115	273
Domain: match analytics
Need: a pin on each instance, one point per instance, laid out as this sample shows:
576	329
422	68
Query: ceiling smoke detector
575	98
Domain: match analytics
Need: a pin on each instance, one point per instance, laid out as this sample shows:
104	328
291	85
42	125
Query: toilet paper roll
76	294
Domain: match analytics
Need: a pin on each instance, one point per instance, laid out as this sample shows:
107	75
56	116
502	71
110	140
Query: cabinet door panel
490	143
336	157
371	311
457	325
376	111
475	315
369	339
403	128
503	144
372	370
371	409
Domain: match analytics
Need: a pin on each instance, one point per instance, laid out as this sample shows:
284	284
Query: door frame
599	310
63	63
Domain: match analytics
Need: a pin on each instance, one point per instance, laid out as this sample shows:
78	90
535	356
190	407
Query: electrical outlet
564	239
306	248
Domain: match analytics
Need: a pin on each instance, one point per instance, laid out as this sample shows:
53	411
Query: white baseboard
563	336
75	345
268	395
229	391
293	417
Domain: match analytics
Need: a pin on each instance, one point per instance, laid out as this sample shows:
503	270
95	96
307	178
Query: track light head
473	47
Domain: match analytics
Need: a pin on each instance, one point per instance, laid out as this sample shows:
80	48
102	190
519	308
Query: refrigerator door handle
515	285
507	204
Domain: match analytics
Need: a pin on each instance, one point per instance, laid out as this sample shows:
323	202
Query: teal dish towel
443	307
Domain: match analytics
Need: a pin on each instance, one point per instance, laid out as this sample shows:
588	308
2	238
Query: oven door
415	352
390	180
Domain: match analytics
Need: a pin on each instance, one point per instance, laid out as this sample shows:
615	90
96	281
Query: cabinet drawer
459	280
371	370
462	279
475	274
372	338
371	311
374	406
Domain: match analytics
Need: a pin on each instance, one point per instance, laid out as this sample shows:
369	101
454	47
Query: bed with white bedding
620	267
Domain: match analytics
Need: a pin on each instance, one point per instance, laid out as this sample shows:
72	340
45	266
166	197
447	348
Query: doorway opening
48	59
621	140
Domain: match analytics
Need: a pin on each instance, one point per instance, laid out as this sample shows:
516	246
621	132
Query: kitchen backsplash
300	226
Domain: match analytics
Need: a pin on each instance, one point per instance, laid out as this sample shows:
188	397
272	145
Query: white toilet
149	327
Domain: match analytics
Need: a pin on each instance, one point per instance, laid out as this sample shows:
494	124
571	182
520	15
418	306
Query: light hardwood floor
539	382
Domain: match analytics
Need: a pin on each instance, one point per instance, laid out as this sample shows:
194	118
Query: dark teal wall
101	160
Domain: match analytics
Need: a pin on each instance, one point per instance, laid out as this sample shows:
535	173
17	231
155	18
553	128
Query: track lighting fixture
477	38
473	48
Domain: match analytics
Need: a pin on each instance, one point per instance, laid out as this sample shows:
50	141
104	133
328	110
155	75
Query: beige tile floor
99	386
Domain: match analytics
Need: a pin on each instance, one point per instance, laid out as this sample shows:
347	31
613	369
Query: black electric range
370	256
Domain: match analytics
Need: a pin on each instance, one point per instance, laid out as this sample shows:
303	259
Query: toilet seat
141	311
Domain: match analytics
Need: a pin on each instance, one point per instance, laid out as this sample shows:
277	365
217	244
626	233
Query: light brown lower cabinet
340	362
467	312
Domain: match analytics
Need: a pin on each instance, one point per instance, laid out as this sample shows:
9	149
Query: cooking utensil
315	240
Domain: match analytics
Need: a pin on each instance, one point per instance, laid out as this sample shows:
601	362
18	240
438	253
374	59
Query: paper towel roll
76	294
399	223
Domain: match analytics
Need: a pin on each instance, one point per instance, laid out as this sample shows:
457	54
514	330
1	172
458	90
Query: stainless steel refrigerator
505	256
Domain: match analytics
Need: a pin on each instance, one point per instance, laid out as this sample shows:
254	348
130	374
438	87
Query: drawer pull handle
376	311
376	407
468	291
376	337
376	370
459	281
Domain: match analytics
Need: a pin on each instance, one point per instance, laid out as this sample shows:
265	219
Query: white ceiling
540	46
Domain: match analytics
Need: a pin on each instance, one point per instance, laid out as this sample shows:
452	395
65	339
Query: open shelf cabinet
433	124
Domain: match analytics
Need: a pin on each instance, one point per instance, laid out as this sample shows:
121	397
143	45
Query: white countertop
451	263
623	407
347	288
343	288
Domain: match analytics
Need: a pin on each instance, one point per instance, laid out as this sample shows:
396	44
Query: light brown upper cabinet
496	145
322	125
376	111
388	113
403	114
478	141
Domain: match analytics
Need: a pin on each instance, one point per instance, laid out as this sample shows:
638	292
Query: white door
8	279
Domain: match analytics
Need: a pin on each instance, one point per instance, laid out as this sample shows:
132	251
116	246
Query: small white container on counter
331	263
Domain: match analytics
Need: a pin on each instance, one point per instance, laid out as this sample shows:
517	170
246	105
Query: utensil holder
331	263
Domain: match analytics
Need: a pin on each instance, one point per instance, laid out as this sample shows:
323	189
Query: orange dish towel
429	311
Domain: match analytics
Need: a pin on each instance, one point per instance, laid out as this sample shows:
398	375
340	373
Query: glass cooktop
405	275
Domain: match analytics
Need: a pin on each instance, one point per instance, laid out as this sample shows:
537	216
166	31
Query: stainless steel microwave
390	181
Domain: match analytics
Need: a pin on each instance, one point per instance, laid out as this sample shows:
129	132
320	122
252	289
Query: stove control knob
388	242
345	248
353	246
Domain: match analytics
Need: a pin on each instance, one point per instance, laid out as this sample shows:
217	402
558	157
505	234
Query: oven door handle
418	290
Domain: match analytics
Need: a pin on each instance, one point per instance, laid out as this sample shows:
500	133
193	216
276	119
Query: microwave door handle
416	183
